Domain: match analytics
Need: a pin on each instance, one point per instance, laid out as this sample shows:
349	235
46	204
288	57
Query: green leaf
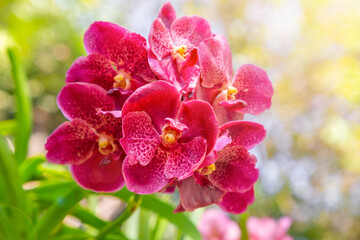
7	127
23	105
50	191
53	217
164	210
28	168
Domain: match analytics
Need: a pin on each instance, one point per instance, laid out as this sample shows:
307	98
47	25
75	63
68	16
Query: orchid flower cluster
164	115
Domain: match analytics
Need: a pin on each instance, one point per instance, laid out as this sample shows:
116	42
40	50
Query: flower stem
134	203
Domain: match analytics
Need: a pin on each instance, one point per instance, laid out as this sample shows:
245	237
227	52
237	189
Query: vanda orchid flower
163	137
173	47
228	174
250	90
268	228
117	61
89	143
216	225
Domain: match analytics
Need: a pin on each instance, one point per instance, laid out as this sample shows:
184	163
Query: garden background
309	162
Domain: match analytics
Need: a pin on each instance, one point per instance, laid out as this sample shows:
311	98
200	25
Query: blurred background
310	161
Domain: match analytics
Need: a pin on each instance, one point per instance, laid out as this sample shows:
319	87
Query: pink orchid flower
216	225
163	137
228	174
117	61
89	142
173	47
250	90
268	228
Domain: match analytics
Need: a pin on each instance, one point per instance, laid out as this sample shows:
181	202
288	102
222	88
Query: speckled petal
98	176
199	117
244	133
167	14
159	99
140	140
254	88
160	40
190	31
71	143
94	68
215	61
110	122
81	100
235	170
236	203
194	195
146	179
185	158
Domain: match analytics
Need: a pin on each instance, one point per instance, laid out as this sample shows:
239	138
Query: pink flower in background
164	138
268	228
227	175
173	47
89	143
117	61
216	225
250	90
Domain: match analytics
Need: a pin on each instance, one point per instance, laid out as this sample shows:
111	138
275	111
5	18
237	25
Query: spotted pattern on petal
140	139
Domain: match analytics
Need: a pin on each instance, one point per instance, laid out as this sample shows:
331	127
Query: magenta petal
254	88
190	31
140	140
71	143
243	133
80	100
233	105
235	170
159	99
194	195
160	40
237	203
215	61
199	117
104	38
110	123
94	68
185	158
167	14
99	177
146	179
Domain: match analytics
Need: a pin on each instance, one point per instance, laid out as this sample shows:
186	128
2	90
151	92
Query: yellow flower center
180	52
122	80
170	136
231	92
106	144
208	169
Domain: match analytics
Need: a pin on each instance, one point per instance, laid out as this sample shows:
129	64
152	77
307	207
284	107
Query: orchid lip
231	92
122	80
106	144
208	169
170	136
180	52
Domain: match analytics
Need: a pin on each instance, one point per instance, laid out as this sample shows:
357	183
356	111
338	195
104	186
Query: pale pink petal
167	14
81	100
140	140
215	224
99	173
160	40
236	203
244	133
146	179
206	194
215	61
254	87
235	170
261	228
71	143
94	68
184	158
190	31
159	99
199	117
283	225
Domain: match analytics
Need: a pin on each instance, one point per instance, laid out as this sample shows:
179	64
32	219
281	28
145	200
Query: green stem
134	203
